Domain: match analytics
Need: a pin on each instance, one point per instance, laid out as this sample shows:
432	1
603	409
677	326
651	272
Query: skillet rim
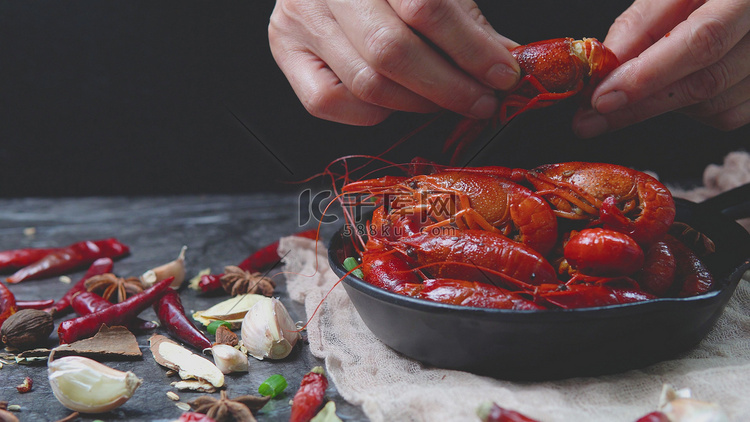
725	284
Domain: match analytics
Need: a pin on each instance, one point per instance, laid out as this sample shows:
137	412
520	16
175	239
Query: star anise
238	409
106	285
237	281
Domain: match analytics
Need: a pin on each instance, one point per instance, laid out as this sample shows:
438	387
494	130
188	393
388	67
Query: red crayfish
551	71
566	235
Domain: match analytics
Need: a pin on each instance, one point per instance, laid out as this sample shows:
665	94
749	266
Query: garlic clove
228	359
87	386
268	330
187	364
678	405
174	269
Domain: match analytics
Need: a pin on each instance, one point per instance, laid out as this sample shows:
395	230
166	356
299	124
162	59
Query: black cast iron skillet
553	344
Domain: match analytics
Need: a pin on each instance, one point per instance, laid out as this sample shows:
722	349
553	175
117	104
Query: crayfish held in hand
566	235
551	71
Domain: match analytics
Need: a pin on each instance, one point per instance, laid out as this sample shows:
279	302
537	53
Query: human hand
684	55
356	62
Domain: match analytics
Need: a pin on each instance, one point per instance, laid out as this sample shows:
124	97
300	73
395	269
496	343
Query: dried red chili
69	258
491	412
171	313
18	258
117	314
7	303
309	398
34	304
194	417
26	386
656	416
258	261
100	266
85	303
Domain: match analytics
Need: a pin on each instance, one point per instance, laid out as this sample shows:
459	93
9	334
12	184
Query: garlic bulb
228	359
268	331
87	386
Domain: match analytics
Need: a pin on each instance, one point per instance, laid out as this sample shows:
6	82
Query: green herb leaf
274	385
351	263
214	325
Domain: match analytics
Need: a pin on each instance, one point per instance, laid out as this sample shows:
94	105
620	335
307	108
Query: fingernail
611	101
590	124
502	77
485	107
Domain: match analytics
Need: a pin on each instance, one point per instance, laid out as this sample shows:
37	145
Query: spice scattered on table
172	316
113	288
268	330
27	329
171	355
61	260
225	409
309	398
87	386
25	386
272	386
117	314
174	269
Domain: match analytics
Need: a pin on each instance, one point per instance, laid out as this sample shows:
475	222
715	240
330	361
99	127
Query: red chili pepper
34	304
171	313
654	417
70	258
210	282
494	413
117	314
85	303
18	258
194	417
269	255
7	303
258	261
309	398
100	266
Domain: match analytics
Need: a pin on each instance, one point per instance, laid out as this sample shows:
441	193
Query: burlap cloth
391	387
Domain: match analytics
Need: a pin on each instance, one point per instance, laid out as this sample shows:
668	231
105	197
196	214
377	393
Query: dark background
120	98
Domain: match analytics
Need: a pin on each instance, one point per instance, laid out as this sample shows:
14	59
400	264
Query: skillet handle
734	203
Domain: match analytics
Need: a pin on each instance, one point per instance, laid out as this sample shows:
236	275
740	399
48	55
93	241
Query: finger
730	119
362	80
462	32
706	36
728	99
644	23
704	85
727	111
393	50
323	95
319	90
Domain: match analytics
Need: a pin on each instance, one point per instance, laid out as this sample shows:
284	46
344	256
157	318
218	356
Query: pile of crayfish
567	235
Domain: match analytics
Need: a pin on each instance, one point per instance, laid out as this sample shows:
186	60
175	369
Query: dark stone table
218	230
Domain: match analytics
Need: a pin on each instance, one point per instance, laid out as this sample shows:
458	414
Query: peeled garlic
268	331
187	364
87	386
228	359
679	406
174	269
